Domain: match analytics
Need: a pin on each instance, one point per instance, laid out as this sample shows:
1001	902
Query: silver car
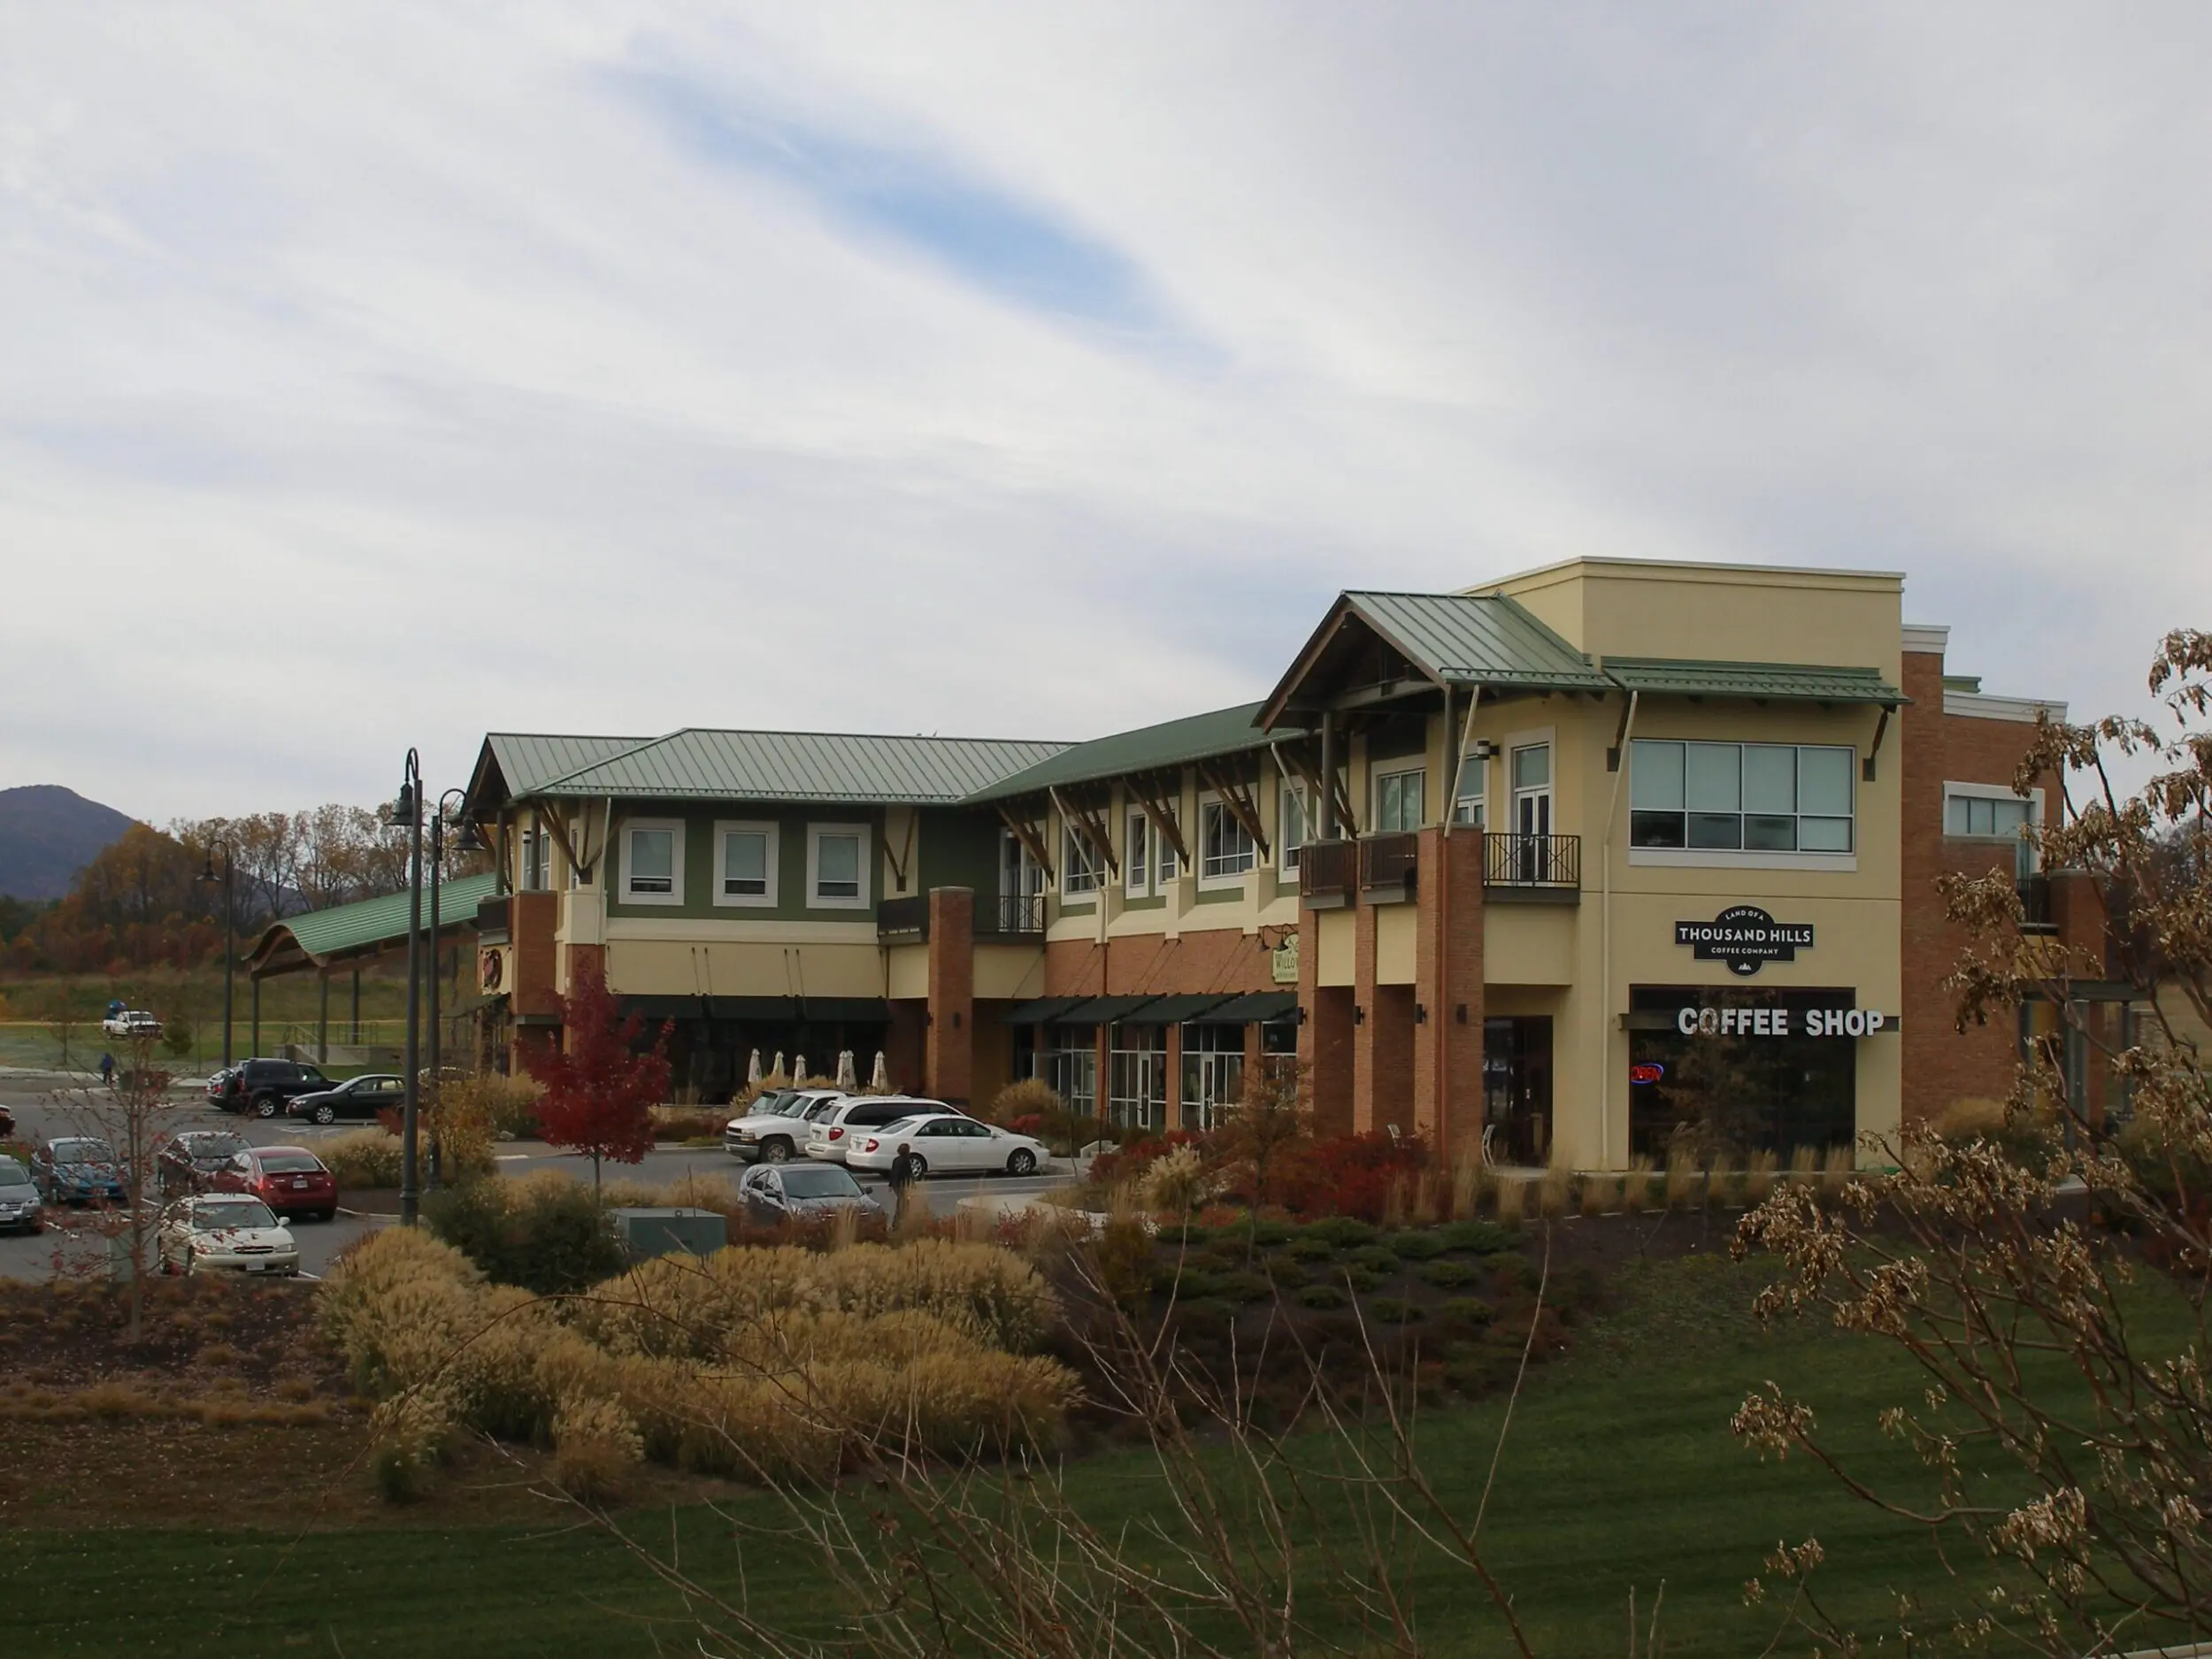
20	1208
228	1232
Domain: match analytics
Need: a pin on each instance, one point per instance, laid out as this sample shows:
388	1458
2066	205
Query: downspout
1605	911
1454	762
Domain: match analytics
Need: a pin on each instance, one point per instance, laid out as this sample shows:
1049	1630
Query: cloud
395	372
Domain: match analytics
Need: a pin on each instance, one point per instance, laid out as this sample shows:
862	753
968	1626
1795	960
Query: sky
374	375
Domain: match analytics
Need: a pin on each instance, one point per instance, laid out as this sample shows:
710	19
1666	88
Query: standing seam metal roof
1777	681
1477	638
697	763
1149	747
343	929
529	760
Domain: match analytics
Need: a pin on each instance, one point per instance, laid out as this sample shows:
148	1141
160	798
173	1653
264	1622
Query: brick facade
949	1072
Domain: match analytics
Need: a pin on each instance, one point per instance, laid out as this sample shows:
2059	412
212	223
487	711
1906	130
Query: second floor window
746	873
1740	797
1136	856
653	862
1291	833
536	844
1226	849
1078	864
837	866
1467	798
1399	801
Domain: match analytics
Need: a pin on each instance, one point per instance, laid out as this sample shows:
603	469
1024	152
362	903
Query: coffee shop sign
1782	1022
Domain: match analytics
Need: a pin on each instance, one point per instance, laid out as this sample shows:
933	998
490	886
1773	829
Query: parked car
262	1087
19	1198
830	1128
947	1143
219	1085
132	1025
774	1128
77	1168
291	1180
361	1096
226	1233
803	1192
189	1160
7	1123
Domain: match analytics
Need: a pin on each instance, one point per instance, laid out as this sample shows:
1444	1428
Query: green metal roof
370	925
528	761
702	765
1770	681
1477	639
1147	749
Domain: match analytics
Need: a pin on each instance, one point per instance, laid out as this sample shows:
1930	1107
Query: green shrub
1267	1234
1467	1310
547	1237
1375	1258
1286	1274
1363	1278
1344	1231
1395	1310
1186	1286
1513	1269
1484	1238
1245	1287
1323	1298
1310	1249
1446	1274
1207	1311
1188	1234
1418	1246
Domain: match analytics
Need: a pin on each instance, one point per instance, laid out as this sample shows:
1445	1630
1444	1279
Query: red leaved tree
600	1091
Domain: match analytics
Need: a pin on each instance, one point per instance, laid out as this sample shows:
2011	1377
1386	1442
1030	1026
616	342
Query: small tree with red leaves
600	1090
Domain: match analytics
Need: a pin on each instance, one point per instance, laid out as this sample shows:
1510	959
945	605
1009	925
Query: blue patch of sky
1014	249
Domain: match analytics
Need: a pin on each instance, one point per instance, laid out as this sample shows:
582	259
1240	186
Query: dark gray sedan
361	1096
803	1192
20	1208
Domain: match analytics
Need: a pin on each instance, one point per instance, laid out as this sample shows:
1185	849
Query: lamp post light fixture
408	810
230	928
466	842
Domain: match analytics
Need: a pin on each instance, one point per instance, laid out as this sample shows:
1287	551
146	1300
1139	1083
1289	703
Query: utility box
649	1232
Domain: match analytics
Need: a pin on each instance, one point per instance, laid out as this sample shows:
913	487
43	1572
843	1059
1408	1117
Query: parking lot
41	1110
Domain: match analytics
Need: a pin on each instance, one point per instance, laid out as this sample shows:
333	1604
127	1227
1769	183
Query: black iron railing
495	920
1390	863
1532	861
2036	914
1011	915
1324	871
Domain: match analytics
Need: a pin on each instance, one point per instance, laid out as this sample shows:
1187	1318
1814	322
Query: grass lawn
1620	1472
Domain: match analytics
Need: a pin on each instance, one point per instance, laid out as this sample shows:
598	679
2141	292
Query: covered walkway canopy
349	935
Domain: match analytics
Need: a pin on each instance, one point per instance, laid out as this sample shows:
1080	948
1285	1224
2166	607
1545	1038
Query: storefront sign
1782	1022
1283	961
1746	938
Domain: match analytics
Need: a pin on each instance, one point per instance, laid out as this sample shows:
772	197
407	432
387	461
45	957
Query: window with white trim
1473	786
1166	865
1290	831
1401	798
1136	856
1991	812
1225	846
1741	798
535	844
745	864
1078	864
837	866
653	861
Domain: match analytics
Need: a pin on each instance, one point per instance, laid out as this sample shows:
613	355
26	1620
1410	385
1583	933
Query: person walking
900	1178
107	1070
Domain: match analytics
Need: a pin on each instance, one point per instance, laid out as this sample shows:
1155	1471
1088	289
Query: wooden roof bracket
1620	733
1881	727
1311	775
902	858
1025	834
1241	806
1162	817
552	817
1087	826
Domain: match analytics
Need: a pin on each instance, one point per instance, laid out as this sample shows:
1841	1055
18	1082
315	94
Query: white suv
832	1128
774	1127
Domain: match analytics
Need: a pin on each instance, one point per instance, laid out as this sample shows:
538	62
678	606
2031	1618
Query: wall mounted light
1420	1013
1359	1015
1460	1013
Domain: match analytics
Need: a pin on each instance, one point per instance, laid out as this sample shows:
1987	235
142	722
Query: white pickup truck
131	1023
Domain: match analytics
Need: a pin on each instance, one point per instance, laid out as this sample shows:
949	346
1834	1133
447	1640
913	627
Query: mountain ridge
48	832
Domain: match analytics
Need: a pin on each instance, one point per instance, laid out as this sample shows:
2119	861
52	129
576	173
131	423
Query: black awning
666	1007
1256	1008
1176	1010
774	1009
1041	1010
1106	1010
848	1010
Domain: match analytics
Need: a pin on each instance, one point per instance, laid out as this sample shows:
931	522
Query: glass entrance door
1531	811
1021	887
1516	1088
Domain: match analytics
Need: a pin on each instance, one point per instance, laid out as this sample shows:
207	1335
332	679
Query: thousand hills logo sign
1746	938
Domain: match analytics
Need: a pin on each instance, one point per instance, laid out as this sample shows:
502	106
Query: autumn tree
601	1089
2047	1276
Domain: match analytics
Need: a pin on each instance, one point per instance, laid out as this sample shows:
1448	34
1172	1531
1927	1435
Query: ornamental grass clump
1639	1187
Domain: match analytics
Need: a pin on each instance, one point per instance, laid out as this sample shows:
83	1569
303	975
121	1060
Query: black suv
262	1087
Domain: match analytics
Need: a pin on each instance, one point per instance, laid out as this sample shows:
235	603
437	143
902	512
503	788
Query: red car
291	1180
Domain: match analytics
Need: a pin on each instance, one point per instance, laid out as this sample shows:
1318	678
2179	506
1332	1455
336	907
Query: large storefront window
1136	1086
1213	1073
1071	1066
1763	1082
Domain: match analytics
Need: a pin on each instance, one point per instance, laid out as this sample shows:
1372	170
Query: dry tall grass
1758	1176
1837	1170
1513	1199
1469	1178
1685	1181
1554	1188
1804	1165
1639	1187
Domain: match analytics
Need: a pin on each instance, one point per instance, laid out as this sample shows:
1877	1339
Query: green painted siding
699	873
1222	895
957	849
1157	902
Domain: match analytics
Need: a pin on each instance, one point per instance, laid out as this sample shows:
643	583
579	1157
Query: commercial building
1567	861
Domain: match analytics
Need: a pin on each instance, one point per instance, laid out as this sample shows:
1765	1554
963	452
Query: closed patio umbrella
879	1080
847	1076
779	1072
798	1068
752	1071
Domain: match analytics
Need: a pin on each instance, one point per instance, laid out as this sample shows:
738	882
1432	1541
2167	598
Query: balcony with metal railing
1389	867
1325	874
1010	915
1541	869
902	921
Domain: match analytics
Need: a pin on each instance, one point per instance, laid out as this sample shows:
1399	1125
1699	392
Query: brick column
1366	1021
906	1045
949	1061
1103	1040
1324	1036
1447	988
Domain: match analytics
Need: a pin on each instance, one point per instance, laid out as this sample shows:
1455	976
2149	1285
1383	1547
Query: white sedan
230	1232
947	1144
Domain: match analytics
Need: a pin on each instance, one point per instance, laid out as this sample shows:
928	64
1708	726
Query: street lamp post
230	929
407	810
467	843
